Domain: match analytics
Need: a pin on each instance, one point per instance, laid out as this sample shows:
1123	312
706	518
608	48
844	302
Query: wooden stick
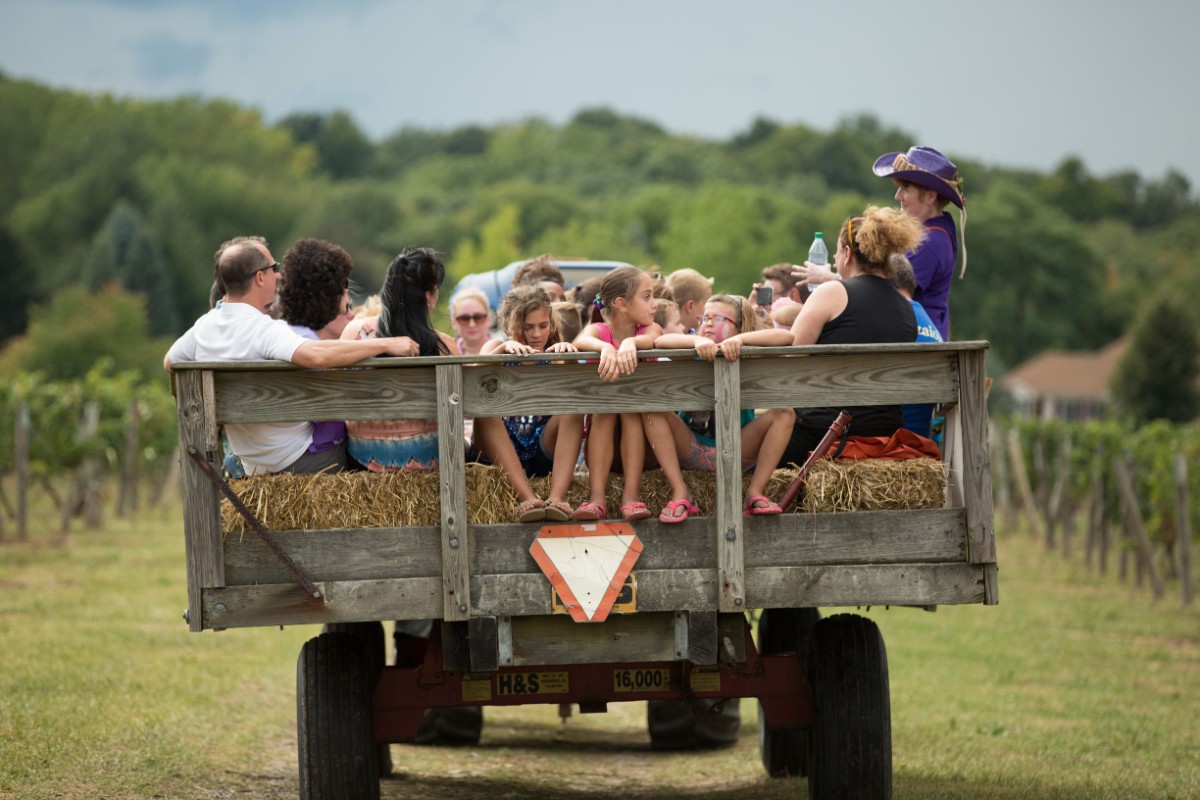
21	456
836	429
1135	525
1021	478
1183	527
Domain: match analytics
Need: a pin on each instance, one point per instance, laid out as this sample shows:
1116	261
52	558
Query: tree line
110	201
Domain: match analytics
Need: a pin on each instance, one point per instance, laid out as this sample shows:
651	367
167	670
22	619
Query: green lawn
1074	687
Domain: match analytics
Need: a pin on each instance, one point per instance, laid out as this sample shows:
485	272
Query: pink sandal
635	510
760	505
589	511
670	514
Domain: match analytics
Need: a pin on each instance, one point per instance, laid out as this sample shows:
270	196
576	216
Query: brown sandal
531	510
558	510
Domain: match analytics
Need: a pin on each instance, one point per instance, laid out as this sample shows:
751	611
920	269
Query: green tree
1033	280
78	328
343	150
125	252
1157	377
16	287
499	244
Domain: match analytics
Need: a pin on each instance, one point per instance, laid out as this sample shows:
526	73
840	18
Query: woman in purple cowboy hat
926	182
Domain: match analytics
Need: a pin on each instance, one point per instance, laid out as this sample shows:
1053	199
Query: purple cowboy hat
923	166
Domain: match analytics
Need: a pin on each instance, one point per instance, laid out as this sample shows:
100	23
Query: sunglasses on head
470	318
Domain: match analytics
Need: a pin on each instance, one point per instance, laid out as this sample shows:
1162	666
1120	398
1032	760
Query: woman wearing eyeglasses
471	318
862	308
763	436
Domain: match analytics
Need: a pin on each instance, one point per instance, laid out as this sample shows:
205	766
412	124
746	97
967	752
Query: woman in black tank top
862	308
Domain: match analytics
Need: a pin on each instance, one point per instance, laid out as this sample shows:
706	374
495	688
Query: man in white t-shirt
239	329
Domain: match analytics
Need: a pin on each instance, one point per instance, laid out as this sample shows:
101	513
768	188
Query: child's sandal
671	513
558	511
589	511
760	505
635	510
531	510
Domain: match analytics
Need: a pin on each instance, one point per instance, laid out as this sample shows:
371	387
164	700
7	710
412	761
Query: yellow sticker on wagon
524	683
705	679
477	688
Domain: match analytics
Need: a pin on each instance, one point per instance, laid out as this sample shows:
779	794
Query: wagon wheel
686	724
850	749
339	758
785	630
372	637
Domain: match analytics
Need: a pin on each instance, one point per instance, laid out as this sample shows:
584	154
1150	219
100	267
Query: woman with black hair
410	293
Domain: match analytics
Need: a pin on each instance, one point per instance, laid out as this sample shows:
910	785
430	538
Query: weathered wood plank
857	379
299	395
559	640
730	558
577	388
201	504
702	633
427	361
348	601
863	537
456	541
407	389
874	585
517	596
976	466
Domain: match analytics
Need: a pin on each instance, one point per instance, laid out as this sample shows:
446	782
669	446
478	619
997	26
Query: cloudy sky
1020	83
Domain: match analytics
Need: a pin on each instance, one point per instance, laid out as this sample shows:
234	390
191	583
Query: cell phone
764	295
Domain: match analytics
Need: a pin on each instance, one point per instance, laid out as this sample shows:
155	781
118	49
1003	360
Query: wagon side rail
724	563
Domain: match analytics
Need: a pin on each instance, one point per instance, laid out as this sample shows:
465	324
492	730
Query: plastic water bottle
817	254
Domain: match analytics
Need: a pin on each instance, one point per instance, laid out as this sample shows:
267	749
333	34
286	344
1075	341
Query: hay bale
394	499
874	485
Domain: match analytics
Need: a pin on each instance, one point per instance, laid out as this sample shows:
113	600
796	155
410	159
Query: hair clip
597	302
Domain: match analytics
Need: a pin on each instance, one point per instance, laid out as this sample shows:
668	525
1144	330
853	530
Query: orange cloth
901	445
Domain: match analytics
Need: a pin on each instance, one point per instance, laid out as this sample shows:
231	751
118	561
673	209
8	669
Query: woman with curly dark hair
314	300
315	295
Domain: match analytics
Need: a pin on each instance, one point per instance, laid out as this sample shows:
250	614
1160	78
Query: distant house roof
1068	374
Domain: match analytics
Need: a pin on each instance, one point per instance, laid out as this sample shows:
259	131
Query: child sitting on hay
546	445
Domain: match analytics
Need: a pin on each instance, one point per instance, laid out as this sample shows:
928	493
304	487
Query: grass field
1073	687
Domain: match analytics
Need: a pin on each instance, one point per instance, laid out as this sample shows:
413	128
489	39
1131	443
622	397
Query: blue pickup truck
496	283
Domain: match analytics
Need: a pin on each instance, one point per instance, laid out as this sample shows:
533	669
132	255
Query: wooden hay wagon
500	602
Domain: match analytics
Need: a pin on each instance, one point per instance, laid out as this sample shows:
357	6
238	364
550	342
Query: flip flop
531	510
635	510
668	515
557	511
590	511
760	505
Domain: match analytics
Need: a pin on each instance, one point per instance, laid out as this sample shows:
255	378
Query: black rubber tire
372	636
850	750
338	755
691	724
785	630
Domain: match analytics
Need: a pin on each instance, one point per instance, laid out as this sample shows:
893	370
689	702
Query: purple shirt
325	435
933	263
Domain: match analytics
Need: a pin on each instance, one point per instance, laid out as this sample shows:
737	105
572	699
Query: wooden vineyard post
127	500
1135	525
1183	527
1021	478
1057	499
21	453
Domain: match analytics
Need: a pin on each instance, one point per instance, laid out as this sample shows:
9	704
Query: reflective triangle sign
587	564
